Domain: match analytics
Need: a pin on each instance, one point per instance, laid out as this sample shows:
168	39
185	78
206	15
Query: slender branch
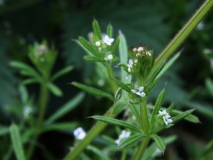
184	32
141	149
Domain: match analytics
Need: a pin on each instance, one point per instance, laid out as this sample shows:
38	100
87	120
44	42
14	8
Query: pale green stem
144	117
123	156
111	76
42	104
184	32
141	149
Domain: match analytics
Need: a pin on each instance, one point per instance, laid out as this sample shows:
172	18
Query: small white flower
148	53
108	57
124	134
200	26
166	117
79	133
139	90
130	65
108	40
101	82
27	111
140	49
134	49
98	43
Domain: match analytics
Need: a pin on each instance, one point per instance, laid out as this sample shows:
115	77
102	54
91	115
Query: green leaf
83	156
209	86
170	108
97	30
110	30
129	141
61	72
16	142
123	52
116	122
25	69
30	81
154	73
182	115
160	144
93	59
168	64
98	152
54	89
118	94
88	47
115	46
192	118
93	91
158	105
65	109
59	126
135	111
122	85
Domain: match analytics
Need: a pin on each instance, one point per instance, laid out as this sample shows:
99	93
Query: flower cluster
166	117
139	90
124	134
79	133
102	44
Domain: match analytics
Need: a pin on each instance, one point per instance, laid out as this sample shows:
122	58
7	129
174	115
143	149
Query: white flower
200	26
124	134
98	43
108	57
130	65
134	49
166	117
108	40
27	111
139	90
140	49
79	133
148	53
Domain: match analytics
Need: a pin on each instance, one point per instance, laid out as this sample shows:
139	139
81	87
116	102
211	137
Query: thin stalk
123	156
94	131
141	149
111	75
42	108
144	116
184	32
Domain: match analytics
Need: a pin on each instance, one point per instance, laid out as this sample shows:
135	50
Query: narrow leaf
65	108
123	53
98	152
116	122
24	67
97	30
87	46
170	108
30	81
54	89
182	115
115	46
4	130
158	105
136	112
93	59
16	142
160	144
168	64
93	91
61	72
110	30
209	86
122	85
59	126
129	141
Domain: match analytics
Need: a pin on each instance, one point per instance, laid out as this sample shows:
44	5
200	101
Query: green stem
111	75
123	156
184	32
42	103
94	131
141	149
144	117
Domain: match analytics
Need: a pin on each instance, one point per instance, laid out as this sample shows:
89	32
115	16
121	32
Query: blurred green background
148	22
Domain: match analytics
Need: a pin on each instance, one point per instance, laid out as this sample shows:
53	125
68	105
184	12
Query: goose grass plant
129	88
